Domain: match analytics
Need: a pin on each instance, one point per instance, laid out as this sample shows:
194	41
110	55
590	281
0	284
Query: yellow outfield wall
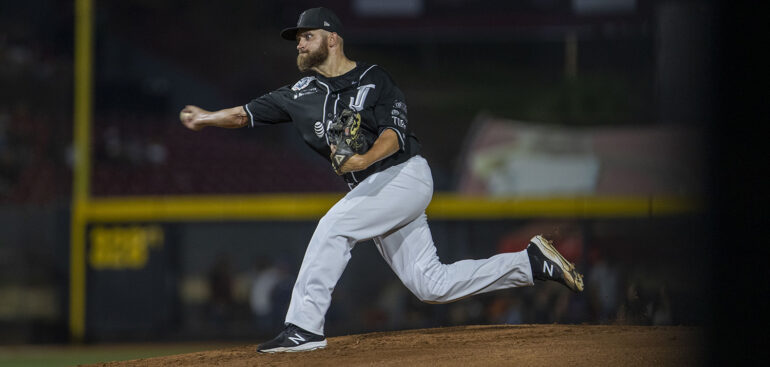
313	206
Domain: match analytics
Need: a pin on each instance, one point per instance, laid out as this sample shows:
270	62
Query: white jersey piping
365	71
323	114
251	117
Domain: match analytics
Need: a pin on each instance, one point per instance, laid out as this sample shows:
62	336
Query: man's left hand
355	163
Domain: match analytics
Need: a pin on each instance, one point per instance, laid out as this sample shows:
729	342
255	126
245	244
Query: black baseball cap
315	18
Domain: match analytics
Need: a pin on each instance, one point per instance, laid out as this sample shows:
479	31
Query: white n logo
358	103
547	268
296	338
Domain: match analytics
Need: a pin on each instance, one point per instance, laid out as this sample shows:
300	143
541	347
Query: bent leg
382	203
411	254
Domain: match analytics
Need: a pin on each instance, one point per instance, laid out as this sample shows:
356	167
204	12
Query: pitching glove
345	133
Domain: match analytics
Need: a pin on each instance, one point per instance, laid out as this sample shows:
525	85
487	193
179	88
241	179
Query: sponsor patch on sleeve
302	83
398	114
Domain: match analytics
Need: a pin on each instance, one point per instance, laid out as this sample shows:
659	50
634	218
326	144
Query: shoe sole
300	348
573	279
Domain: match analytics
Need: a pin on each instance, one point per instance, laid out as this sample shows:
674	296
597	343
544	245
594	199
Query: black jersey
313	102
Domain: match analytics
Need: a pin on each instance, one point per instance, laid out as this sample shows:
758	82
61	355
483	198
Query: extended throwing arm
196	118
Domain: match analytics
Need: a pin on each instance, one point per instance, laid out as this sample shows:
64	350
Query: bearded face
308	59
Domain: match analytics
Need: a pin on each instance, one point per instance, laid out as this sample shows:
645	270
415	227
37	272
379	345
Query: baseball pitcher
353	114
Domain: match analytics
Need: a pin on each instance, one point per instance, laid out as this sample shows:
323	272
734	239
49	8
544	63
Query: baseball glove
345	133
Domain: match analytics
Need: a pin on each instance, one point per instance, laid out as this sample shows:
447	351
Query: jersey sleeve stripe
251	117
365	71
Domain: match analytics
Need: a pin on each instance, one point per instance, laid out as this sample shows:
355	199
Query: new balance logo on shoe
541	250
293	339
296	338
547	268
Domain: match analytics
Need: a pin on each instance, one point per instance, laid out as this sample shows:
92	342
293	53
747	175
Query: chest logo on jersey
318	129
357	104
302	83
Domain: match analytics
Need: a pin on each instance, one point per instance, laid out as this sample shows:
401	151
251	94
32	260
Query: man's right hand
190	116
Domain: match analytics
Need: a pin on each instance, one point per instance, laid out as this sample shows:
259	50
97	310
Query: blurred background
596	101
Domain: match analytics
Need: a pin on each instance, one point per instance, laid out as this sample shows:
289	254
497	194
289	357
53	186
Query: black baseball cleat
548	264
293	339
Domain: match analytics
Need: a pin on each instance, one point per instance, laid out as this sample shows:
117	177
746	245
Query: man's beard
306	61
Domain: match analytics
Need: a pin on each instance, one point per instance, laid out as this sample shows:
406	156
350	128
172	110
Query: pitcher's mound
520	345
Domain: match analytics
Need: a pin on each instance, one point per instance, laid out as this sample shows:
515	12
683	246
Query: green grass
62	355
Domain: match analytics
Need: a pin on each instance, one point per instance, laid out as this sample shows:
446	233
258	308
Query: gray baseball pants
389	207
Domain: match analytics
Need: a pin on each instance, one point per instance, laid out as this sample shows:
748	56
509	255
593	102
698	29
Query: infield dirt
497	345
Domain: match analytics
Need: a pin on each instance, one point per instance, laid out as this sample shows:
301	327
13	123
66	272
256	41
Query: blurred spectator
138	150
505	309
221	291
515	313
635	309
156	153
112	147
264	279
561	302
602	286
393	301
270	292
468	312
8	164
662	311
29	157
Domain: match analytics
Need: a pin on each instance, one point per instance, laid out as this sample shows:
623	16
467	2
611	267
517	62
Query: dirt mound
526	345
